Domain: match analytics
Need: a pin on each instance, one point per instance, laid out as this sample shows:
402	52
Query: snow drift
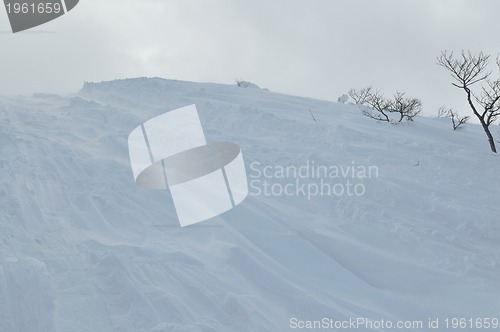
83	249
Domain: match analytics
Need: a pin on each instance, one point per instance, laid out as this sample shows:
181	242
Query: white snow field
82	248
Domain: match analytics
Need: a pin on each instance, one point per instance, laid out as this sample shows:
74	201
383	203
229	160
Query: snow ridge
83	249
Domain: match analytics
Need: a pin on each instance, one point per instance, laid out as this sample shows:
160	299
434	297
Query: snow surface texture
82	248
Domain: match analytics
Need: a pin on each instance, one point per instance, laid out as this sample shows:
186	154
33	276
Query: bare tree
361	96
467	70
406	107
456	120
374	105
443	112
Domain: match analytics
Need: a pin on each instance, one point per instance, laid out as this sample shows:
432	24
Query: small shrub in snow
343	99
246	84
443	112
456	120
242	84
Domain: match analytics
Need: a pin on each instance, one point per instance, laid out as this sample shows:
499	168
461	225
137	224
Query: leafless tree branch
361	96
467	70
374	105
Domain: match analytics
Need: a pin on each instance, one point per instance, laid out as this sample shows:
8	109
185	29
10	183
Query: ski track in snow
83	249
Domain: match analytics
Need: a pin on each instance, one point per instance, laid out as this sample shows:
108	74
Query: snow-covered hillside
82	248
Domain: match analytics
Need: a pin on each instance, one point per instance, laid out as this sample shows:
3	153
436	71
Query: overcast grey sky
313	48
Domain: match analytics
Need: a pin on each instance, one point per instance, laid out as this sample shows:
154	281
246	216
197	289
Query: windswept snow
82	248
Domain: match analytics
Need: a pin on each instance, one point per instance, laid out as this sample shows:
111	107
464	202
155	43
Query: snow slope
82	248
